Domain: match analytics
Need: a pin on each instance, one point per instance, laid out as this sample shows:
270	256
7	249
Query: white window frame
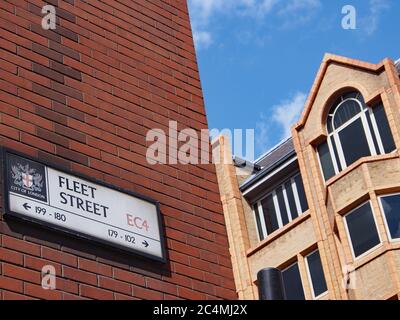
333	156
349	236
277	208
367	131
296	195
376	129
262	222
287	205
310	278
384	215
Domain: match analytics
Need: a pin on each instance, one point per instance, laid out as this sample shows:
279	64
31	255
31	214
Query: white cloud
377	8
202	39
263	140
287	113
202	12
282	117
297	12
295	6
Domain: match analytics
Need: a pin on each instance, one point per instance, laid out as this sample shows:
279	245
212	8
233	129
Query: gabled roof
276	158
331	59
276	153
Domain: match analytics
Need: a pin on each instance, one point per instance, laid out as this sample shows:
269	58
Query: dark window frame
385	218
310	276
351	238
300	278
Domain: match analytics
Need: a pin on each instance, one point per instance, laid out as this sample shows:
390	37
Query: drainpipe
270	284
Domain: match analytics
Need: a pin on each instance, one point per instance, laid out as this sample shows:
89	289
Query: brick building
81	97
324	206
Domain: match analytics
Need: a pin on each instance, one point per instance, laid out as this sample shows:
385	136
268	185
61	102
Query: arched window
354	131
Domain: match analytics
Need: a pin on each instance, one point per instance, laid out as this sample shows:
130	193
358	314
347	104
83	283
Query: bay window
354	131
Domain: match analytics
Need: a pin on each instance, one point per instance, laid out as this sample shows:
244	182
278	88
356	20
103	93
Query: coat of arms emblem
27	178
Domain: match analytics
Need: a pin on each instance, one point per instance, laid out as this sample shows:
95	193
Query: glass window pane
292	202
391	208
271	220
362	229
354	142
360	98
326	161
258	221
316	273
282	206
354	95
336	152
346	111
302	195
292	283
384	129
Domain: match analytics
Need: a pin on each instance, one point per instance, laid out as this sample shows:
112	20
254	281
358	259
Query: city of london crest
27	178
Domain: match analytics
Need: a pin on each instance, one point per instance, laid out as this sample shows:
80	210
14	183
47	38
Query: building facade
324	206
76	101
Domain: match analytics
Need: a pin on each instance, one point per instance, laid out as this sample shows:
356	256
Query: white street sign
87	209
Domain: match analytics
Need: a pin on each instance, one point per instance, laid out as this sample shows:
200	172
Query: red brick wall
83	97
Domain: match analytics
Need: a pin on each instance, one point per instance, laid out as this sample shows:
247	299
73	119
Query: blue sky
258	58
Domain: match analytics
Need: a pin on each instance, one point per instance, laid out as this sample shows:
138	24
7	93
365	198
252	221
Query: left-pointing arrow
26	206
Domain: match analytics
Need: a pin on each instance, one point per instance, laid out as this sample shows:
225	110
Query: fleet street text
76	201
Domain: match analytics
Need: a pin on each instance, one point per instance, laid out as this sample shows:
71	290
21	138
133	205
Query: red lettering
138	223
130	221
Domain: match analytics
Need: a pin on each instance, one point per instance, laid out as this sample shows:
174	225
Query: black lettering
71	199
92	189
79	203
84	190
76	187
89	206
96	209
61	181
68	185
83	205
105	211
63	195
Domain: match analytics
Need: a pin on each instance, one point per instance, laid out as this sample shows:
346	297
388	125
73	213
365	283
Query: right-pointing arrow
145	243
